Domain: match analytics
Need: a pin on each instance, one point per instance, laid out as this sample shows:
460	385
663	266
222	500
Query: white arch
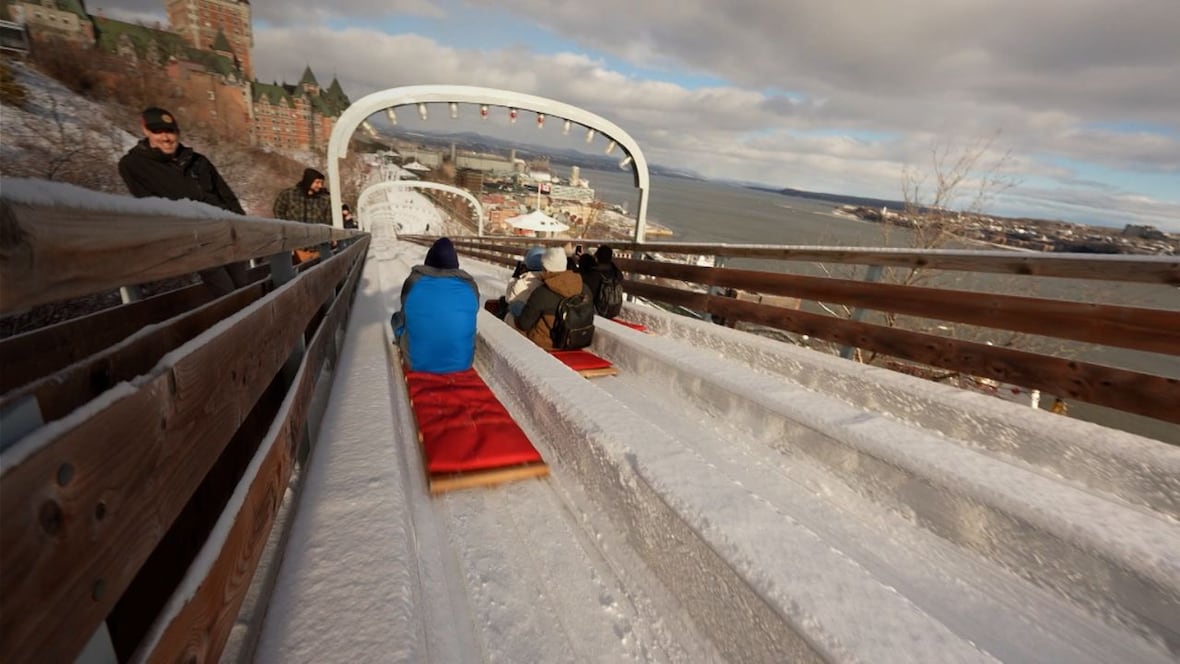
361	109
389	185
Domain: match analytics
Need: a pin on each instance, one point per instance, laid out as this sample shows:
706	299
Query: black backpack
608	301
573	324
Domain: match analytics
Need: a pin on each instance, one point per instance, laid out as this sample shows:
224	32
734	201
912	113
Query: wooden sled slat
587	364
451	481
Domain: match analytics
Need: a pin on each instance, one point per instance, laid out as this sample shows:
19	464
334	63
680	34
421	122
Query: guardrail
1137	328
148	446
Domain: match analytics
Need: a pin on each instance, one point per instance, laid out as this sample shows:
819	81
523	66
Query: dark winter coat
294	204
593	277
536	321
436	324
184	175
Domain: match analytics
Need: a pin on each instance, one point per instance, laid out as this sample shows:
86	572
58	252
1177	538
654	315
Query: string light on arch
565	128
610	147
391	115
512	115
422	111
454	110
589	135
540	120
483	111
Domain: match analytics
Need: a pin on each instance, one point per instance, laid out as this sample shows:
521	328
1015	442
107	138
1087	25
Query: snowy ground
725	497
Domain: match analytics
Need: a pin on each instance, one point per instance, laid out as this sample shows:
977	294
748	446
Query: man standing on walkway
160	165
307	202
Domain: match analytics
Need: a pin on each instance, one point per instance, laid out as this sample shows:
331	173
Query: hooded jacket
436	324
183	175
536	320
295	204
594	276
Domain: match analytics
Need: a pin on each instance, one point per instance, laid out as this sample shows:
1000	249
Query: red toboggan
468	439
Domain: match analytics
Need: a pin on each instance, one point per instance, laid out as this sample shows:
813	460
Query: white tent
537	221
416	166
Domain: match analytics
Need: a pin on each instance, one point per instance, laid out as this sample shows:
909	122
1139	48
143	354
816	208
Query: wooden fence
1142	329
147	447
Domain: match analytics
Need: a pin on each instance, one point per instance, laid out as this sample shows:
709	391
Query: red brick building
206	60
206	23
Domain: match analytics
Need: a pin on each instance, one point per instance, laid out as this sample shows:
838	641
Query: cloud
833	96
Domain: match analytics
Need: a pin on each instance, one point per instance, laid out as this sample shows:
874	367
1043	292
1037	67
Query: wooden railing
137	437
1142	329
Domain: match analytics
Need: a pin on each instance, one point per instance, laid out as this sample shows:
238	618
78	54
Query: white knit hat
553	260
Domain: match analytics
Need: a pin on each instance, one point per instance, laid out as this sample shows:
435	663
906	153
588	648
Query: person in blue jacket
435	327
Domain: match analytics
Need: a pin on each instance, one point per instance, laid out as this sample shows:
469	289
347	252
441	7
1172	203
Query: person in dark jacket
307	201
604	267
557	283
160	165
435	328
350	221
586	263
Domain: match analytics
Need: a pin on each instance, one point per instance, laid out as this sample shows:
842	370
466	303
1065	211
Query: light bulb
565	128
625	162
610	147
540	120
422	111
483	111
512	115
589	135
454	110
391	115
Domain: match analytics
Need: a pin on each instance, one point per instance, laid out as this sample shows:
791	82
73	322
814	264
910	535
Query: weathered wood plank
1116	267
61	392
54	253
199	629
38	353
1133	392
83	504
1154	330
453	482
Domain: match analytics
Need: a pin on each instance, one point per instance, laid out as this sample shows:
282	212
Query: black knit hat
158	120
310	175
442	255
604	254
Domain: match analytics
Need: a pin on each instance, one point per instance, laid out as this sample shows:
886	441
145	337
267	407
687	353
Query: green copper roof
221	43
112	34
308	77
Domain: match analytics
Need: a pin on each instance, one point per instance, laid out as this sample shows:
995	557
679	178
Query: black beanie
442	255
604	254
309	175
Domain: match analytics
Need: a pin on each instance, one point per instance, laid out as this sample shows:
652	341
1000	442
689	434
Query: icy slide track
725	498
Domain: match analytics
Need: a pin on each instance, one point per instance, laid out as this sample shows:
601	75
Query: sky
1072	102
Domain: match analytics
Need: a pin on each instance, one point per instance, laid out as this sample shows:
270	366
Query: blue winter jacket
436	324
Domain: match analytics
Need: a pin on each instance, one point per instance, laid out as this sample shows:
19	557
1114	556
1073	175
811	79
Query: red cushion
633	326
580	360
464	427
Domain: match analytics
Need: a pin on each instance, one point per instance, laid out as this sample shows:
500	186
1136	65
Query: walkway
726	497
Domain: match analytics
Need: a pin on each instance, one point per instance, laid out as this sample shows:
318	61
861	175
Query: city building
204	57
66	20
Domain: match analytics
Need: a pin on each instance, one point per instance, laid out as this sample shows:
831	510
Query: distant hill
467	140
833	198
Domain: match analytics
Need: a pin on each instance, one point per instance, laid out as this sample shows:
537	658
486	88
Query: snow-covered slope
724	498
